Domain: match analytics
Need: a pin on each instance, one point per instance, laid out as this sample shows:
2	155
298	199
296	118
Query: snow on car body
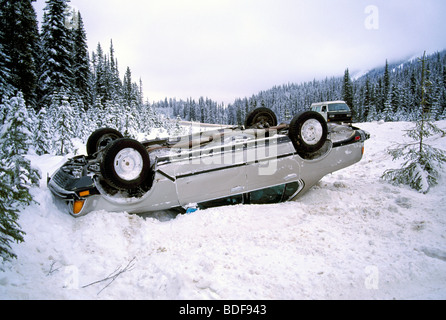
263	164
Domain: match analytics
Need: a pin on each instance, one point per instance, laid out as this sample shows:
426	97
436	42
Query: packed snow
353	236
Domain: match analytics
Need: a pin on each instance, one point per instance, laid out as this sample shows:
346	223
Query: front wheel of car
308	131
125	165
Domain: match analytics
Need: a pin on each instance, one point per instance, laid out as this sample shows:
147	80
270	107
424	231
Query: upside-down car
259	163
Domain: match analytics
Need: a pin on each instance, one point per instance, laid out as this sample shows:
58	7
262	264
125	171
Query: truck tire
308	131
125	165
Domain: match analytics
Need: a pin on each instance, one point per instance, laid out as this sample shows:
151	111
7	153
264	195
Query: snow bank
352	236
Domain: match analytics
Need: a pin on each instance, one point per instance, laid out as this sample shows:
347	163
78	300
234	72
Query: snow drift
352	236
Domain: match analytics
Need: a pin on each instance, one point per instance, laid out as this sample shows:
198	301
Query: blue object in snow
191	210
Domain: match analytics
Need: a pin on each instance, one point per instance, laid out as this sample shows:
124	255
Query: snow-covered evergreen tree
100	90
81	68
6	89
127	88
114	82
57	45
19	41
388	109
177	129
347	90
64	123
42	134
420	170
16	173
386	81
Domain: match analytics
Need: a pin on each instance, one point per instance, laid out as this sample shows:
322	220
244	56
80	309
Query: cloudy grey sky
225	49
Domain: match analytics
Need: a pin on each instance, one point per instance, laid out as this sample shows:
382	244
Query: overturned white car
259	163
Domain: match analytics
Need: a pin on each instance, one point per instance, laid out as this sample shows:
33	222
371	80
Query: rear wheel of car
308	131
261	118
101	138
126	165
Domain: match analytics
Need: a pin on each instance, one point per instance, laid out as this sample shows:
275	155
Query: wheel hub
128	164
312	132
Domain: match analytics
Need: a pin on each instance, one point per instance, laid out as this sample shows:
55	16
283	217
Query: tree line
53	63
44	64
389	93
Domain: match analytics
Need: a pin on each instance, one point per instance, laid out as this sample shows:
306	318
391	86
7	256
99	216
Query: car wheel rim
312	132
128	164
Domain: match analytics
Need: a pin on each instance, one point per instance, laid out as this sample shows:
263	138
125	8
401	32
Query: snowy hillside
352	236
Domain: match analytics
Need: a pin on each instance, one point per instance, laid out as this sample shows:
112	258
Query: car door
213	172
270	162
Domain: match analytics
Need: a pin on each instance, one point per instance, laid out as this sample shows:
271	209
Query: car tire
261	118
101	138
125	165
308	131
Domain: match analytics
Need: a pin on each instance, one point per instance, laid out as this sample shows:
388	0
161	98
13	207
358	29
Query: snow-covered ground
352	236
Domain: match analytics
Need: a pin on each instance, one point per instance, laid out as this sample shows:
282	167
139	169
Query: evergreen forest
57	77
390	93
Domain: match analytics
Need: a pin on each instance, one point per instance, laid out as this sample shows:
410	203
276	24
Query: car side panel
271	162
211	174
162	196
211	185
312	171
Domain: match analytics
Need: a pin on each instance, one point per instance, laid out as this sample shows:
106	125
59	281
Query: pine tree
6	89
388	109
100	82
420	171
127	87
395	98
367	99
386	80
63	117
57	73
372	115
41	133
19	42
177	130
16	174
347	90
81	61
114	82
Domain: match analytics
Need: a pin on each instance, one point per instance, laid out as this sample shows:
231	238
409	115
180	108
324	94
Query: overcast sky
225	49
